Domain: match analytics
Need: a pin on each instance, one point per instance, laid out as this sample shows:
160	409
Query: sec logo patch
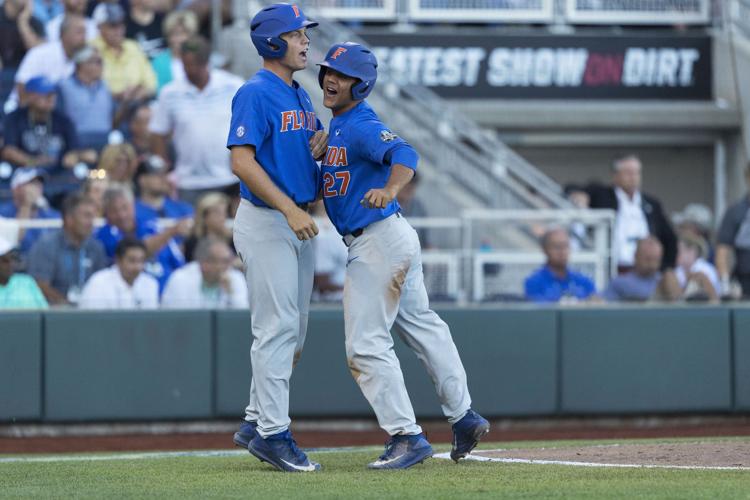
387	136
240	131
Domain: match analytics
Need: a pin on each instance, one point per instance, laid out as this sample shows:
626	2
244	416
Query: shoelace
388	448
293	446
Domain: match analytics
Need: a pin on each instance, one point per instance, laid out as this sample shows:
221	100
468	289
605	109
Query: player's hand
377	198
319	143
302	224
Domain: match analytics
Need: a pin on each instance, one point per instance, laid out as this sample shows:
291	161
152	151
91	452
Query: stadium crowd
112	111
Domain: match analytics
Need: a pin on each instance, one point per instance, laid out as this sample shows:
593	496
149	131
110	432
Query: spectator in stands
46	10
39	136
208	283
137	132
202	9
53	60
202	163
124	285
694	278
211	215
94	188
62	261
733	245
555	281
153	188
127	70
86	100
640	284
17	291
698	220
28	203
179	26
163	250
638	214
72	7
120	163
330	258
144	25
20	32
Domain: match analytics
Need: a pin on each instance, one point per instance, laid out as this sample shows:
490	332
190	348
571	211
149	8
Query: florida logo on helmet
338	52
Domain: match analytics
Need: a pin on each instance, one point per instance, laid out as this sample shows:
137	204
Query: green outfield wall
66	366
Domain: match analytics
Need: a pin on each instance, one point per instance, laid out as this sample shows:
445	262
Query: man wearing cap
127	70
153	186
196	112
28	203
86	100
17	291
39	136
53	60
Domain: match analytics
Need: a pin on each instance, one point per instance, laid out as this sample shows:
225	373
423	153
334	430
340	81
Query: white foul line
479	458
160	455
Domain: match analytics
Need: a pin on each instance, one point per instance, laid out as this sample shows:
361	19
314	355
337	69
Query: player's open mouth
330	92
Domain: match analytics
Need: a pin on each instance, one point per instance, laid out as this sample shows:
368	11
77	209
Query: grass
345	476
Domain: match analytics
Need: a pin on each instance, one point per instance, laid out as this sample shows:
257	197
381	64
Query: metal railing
483	255
620	12
484	11
638	11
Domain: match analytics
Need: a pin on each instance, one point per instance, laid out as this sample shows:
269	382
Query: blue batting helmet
353	60
270	23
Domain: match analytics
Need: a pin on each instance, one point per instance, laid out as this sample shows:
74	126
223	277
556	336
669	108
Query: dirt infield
697	454
13	440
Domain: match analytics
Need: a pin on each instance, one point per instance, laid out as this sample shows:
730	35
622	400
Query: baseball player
364	168
274	137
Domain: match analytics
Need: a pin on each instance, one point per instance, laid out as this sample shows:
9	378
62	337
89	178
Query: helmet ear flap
360	90
321	75
269	47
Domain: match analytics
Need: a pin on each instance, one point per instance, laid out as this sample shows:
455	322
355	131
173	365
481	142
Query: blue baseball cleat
246	433
403	451
280	450
466	434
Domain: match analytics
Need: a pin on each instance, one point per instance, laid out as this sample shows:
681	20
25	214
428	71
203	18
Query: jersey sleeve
374	140
248	126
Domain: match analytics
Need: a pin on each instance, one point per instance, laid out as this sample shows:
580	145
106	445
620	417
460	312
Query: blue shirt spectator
46	10
154	188
640	284
555	280
62	261
85	99
546	286
163	246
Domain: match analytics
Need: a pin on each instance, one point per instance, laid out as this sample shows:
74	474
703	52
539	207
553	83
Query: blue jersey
161	265
172	209
357	160
279	121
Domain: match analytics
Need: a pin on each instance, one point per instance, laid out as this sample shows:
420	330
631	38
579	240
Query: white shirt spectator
185	290
199	123
630	226
330	258
701	266
48	60
106	289
53	28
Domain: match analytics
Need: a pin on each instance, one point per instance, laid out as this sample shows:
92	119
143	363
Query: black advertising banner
548	66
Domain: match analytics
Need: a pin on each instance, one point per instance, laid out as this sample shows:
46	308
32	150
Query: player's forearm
400	177
257	180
